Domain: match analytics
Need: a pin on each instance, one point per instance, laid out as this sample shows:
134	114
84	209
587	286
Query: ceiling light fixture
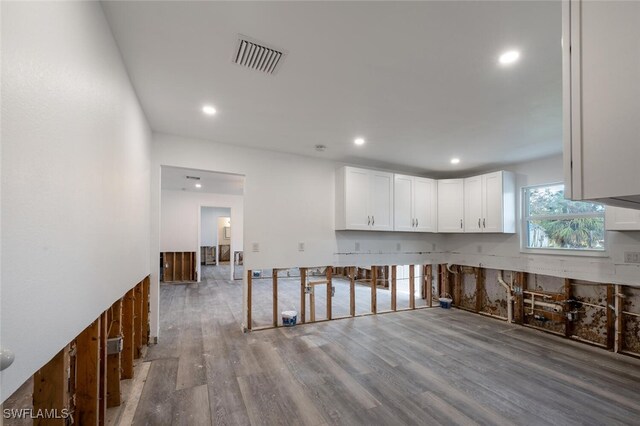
359	141
509	57
198	185
209	110
455	161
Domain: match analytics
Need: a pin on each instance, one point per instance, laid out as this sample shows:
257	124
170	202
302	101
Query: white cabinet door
493	209
620	219
357	184
381	204
451	205
425	205
473	203
403	191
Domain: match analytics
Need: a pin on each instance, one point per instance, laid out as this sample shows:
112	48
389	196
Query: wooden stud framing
329	274
249	307
102	382
412	287
274	277
374	290
619	341
137	320
128	332
611	322
479	272
312	302
568	295
145	310
88	375
303	284
51	388
352	291
519	314
114	329
457	287
394	296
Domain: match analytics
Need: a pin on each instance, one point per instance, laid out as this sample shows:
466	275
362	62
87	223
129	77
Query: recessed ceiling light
198	185
509	57
359	141
209	110
455	161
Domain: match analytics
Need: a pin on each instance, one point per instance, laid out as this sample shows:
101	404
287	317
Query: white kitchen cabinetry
489	203
620	219
415	204
601	101
451	205
364	200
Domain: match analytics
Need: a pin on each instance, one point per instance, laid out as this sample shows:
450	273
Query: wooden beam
619	342
128	332
352	291
88	375
429	284
394	296
329	274
412	286
568	295
102	382
137	320
374	290
303	296
522	278
249	301
479	272
114	319
145	310
312	303
51	388
611	321
274	278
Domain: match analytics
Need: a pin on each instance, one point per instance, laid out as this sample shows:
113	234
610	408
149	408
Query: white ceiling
419	80
175	178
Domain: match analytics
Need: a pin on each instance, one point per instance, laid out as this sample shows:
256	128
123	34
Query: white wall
209	232
502	251
75	179
287	199
180	220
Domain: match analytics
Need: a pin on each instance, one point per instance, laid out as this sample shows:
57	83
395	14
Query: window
551	222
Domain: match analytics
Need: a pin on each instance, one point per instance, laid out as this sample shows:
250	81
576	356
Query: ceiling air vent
193	177
257	55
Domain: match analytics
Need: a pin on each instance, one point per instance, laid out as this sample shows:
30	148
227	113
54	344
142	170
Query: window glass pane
549	200
586	233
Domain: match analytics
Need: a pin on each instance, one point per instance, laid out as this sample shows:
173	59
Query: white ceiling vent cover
257	55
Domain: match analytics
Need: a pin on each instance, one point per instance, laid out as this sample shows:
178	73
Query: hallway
422	367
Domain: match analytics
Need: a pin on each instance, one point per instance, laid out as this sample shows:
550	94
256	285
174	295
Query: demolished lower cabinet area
364	199
601	100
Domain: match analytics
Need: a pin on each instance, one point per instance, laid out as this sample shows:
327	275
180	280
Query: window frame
525	217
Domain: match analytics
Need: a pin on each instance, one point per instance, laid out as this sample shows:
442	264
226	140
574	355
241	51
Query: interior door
473	204
451	205
403	210
493	209
381	196
424	204
357	183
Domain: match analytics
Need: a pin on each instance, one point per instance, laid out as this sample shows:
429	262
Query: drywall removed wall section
502	251
75	179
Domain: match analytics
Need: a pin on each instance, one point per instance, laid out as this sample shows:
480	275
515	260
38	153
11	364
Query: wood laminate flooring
429	366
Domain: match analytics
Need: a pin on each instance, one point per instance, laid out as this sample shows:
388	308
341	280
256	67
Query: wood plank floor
431	366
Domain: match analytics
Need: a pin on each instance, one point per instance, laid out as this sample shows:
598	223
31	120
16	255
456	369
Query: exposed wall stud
128	333
249	304
88	375
374	290
352	291
329	275
114	329
51	388
394	296
274	276
303	284
412	286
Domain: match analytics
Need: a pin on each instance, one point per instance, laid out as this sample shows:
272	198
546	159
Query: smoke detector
257	55
321	148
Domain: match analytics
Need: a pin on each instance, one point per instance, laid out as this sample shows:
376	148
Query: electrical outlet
631	257
255	247
300	246
357	246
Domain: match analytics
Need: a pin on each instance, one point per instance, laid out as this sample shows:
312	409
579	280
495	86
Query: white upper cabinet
601	101
620	219
415	204
451	205
364	199
489	203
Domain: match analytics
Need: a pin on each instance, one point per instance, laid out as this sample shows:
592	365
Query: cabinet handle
369	220
416	222
484	223
479	223
373	221
460	223
413	223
